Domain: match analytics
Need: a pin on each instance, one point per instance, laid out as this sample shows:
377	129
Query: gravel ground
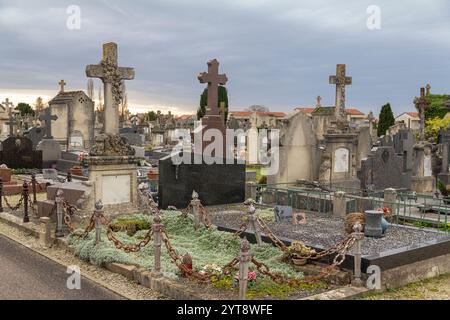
430	289
112	281
324	230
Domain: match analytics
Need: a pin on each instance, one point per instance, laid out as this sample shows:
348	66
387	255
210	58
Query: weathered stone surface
111	145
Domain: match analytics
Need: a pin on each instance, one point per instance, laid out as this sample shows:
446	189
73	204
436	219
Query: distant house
185	121
410	119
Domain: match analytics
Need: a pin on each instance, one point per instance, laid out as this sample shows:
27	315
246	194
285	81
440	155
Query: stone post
253	191
157	227
33	184
390	197
339	205
359	236
25	195
195	203
59	213
98	212
244	261
45	233
1	195
252	221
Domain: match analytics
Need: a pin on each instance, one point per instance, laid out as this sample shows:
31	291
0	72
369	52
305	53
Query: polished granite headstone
216	183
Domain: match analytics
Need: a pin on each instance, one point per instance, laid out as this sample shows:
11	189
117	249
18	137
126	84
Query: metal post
69	176
98	212
59	213
244	261
33	184
26	218
359	236
252	220
157	227
1	195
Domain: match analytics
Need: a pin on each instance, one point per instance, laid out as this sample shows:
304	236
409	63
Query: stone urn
373	227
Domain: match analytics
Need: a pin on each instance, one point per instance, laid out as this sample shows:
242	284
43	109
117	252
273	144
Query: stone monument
111	160
51	149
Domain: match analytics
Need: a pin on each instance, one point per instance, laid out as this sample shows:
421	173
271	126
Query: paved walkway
26	275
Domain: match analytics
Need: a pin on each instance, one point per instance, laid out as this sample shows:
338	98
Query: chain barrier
16	207
69	210
32	205
129	247
204	216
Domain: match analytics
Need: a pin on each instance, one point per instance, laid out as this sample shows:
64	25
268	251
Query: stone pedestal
114	180
339	205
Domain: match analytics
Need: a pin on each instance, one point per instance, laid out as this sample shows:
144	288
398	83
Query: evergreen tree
222	98
386	120
25	109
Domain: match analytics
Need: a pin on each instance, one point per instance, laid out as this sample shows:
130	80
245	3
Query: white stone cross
62	83
112	76
9	105
340	80
213	79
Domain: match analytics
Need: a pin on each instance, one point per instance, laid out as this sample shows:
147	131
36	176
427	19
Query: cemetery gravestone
50	174
18	153
36	134
283	213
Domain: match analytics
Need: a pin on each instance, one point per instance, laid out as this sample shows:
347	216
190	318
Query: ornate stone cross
48	117
112	76
213	79
340	80
421	105
62	83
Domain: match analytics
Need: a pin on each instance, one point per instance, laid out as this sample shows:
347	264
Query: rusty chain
265	228
69	210
206	220
128	247
16	207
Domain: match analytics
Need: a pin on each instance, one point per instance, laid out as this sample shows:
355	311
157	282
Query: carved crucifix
421	105
213	79
62	84
112	76
340	80
48	117
8	104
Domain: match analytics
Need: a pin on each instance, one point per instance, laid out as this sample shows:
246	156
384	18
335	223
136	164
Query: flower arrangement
251	279
82	159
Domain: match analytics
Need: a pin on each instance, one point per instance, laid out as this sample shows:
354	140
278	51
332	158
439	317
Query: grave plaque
283	213
427	168
341	160
116	189
76	141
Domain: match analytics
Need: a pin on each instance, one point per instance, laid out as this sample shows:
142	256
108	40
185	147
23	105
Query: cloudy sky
276	53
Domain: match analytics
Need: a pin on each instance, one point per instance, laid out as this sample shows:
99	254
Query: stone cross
421	105
213	79
48	117
62	83
428	87
318	102
12	122
112	76
8	104
340	80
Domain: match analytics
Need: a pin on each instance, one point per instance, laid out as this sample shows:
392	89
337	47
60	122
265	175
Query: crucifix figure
48	117
62	83
112	76
340	80
213	79
421	105
11	122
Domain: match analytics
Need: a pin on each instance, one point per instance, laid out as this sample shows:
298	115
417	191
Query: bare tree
258	108
100	107
123	108
39	105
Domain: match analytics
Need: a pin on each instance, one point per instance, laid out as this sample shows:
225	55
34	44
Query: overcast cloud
275	53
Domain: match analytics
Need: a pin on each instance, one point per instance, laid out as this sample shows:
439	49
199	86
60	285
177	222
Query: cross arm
127	73
94	71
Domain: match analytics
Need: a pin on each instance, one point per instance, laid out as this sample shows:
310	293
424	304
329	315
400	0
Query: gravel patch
324	230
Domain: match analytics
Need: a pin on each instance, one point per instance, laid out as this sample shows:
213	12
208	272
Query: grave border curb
141	275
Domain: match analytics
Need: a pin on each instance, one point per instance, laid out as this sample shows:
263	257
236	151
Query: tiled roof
330	110
305	109
186	117
249	113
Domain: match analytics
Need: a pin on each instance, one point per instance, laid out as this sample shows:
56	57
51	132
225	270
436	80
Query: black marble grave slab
18	153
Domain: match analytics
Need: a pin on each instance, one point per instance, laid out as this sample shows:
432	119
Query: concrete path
26	275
